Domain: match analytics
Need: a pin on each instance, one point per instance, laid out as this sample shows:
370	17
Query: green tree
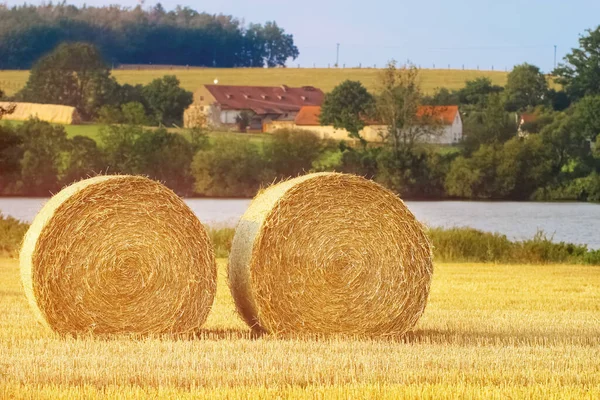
84	159
293	152
475	177
462	179
526	87
278	45
565	142
44	151
580	73
492	125
524	165
134	113
74	74
10	156
476	92
119	143
416	174
167	100
397	107
165	157
442	97
346	107
231	168
586	117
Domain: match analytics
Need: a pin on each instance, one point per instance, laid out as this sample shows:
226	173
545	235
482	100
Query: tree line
182	36
553	156
75	74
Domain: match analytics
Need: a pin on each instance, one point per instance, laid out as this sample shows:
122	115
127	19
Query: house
220	106
53	113
449	132
451	128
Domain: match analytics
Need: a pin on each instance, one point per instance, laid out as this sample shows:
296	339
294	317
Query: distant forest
182	36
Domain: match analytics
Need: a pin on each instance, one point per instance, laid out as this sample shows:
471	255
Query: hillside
324	78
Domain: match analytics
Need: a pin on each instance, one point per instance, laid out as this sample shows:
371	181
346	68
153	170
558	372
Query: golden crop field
489	331
323	78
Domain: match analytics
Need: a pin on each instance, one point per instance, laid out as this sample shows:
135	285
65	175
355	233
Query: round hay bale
330	253
118	254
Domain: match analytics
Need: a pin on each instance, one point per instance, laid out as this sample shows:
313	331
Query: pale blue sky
470	32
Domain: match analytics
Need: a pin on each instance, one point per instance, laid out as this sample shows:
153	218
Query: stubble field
489	331
323	78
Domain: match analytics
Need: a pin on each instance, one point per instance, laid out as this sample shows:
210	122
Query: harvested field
489	331
323	78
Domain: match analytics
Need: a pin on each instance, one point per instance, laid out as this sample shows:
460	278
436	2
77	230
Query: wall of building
370	133
228	117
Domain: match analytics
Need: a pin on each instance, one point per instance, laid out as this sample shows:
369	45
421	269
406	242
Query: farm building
308	119
53	113
220	106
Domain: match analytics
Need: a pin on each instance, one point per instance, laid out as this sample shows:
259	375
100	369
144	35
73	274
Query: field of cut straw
489	331
324	78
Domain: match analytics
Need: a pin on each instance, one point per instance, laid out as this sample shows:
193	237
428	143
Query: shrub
12	232
221	239
293	152
230	168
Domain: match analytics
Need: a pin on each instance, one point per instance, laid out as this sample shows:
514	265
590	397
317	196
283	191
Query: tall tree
73	74
183	36
526	87
10	156
476	91
279	46
167	100
346	107
398	107
44	150
580	74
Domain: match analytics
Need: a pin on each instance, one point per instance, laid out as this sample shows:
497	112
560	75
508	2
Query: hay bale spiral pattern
330	254
118	254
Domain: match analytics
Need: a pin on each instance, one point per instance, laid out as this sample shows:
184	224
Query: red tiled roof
265	99
445	113
309	115
527	118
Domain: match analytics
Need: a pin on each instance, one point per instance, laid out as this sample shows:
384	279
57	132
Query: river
568	222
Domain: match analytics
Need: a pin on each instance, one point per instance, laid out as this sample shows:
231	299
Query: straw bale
118	254
330	253
53	113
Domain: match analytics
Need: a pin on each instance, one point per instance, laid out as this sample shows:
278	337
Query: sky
474	33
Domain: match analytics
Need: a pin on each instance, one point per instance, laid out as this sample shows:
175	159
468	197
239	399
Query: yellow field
488	332
326	79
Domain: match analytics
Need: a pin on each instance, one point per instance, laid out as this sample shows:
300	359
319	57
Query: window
201	98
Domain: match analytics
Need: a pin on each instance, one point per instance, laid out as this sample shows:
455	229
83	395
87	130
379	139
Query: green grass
323	78
93	131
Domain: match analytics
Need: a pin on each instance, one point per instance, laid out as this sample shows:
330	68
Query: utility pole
337	57
555	56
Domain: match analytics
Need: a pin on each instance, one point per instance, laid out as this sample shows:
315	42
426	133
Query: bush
230	168
293	152
167	100
45	148
471	245
12	232
221	239
165	157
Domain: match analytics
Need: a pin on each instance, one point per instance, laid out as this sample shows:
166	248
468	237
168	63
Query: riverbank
489	331
450	245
